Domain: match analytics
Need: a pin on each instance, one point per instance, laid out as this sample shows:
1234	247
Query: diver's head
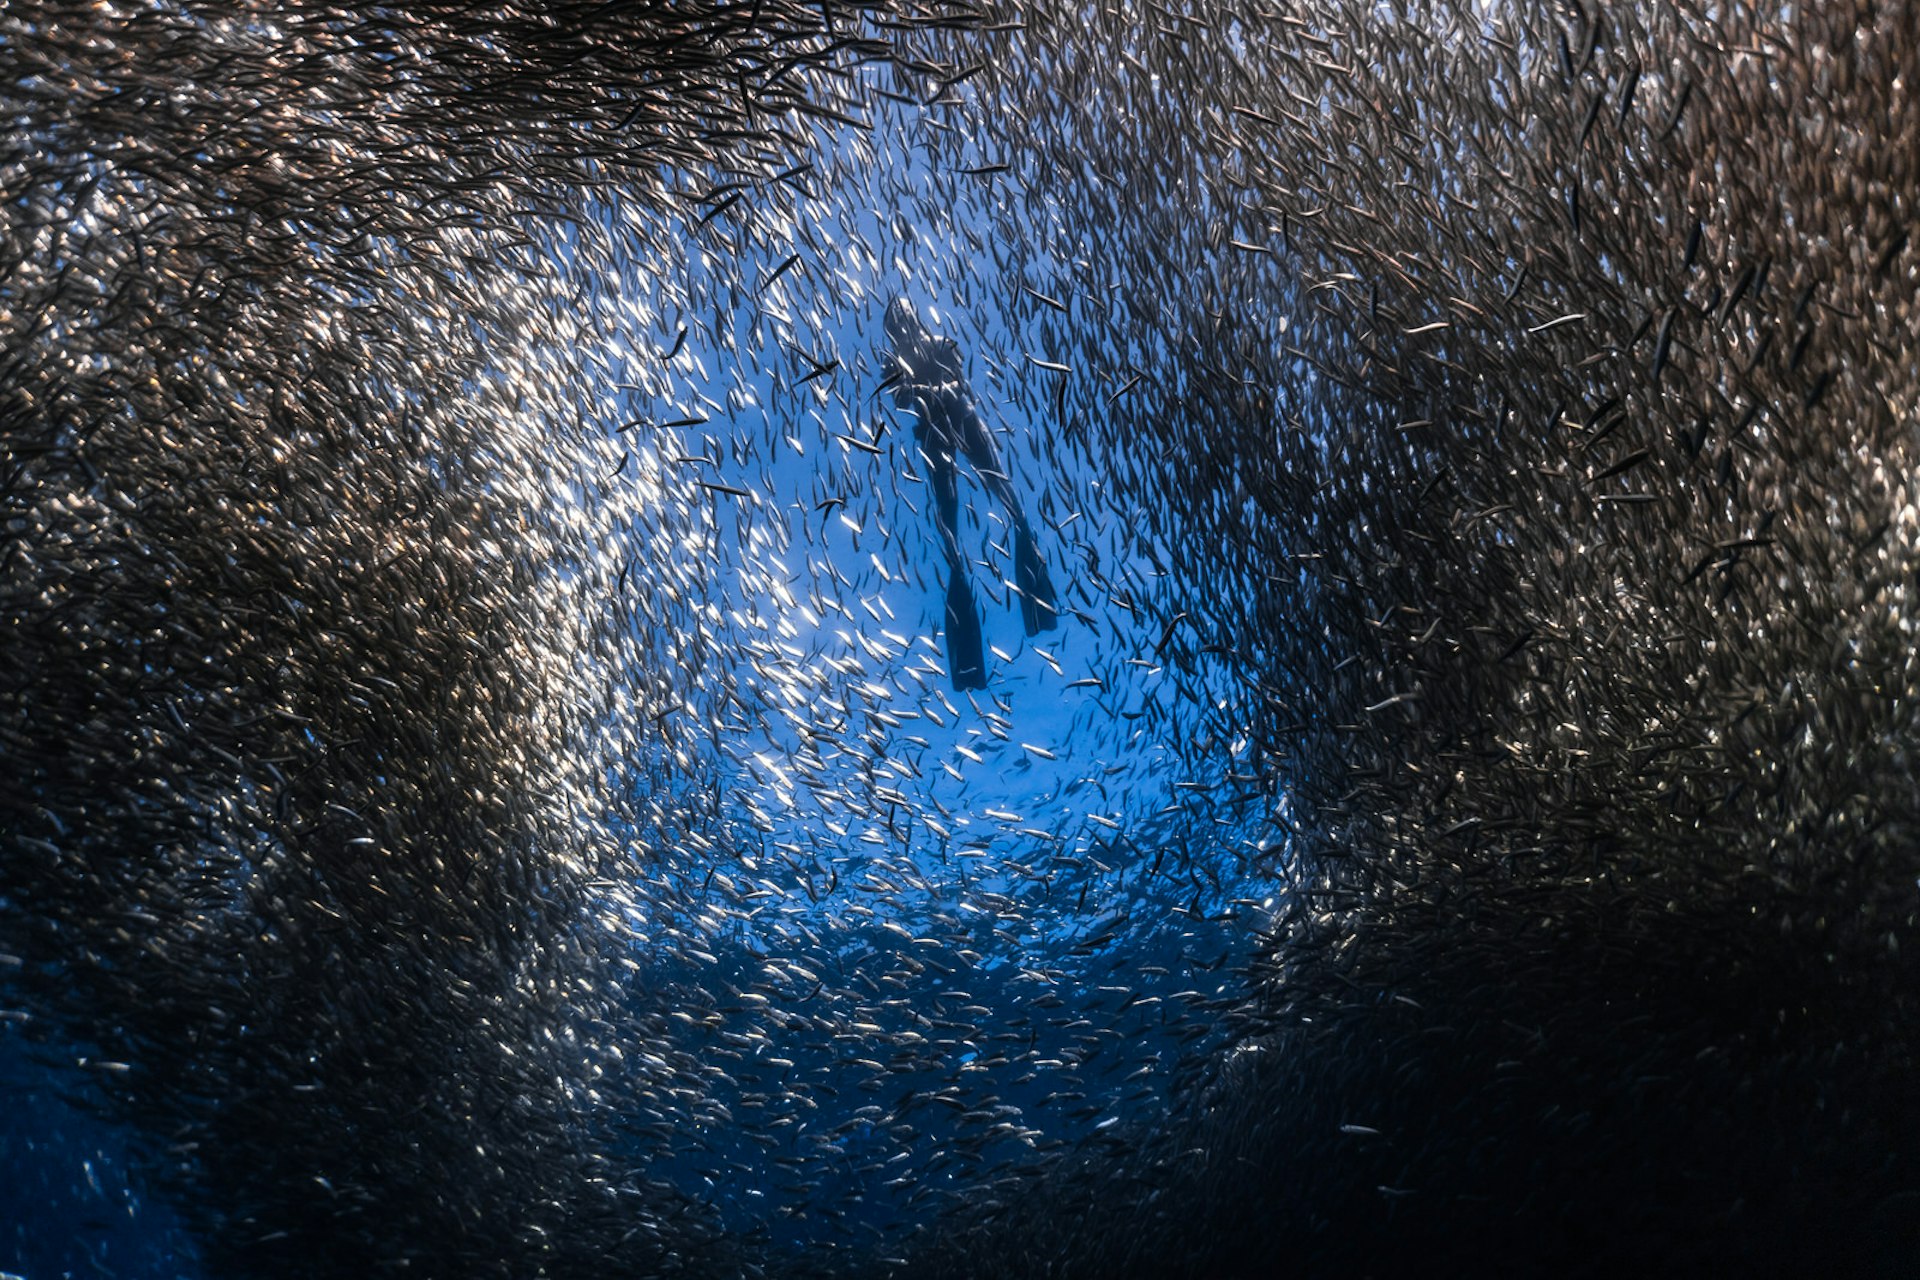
904	329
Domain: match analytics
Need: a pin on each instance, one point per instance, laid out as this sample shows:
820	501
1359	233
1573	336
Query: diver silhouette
931	382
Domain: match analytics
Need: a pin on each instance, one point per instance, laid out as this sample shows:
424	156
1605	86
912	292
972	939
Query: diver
929	381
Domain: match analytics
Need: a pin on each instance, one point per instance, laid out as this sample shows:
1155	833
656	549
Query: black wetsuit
933	386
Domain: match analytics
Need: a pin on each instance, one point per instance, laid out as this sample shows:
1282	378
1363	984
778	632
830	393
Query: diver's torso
934	389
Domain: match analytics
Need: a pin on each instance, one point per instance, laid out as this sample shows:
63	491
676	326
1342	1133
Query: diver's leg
943	480
1030	580
966	649
984	454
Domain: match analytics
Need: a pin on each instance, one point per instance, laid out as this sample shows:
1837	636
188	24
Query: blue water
74	1203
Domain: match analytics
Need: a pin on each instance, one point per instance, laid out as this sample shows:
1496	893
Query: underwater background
489	794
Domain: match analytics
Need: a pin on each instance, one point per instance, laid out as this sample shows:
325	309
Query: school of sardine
483	786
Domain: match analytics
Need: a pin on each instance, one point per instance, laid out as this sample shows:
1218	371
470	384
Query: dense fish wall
480	788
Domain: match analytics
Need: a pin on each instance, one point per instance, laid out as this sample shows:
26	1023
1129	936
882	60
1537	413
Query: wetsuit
932	384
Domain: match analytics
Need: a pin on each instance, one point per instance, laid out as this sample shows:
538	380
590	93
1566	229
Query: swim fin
966	651
1037	607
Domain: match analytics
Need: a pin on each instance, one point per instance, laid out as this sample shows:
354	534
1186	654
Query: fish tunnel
495	788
